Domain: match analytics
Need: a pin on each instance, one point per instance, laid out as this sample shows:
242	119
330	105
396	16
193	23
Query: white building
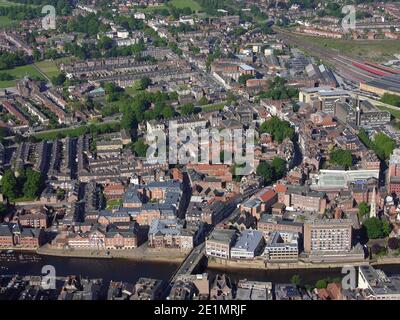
248	245
282	246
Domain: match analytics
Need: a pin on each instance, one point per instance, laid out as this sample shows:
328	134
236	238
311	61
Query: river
131	271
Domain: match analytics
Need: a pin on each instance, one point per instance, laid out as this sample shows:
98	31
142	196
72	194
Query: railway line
345	66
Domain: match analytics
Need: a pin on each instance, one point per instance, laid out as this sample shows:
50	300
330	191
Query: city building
282	246
249	244
220	242
328	236
376	285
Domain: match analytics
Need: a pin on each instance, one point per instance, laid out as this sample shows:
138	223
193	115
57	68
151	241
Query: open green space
5	3
48	67
19	73
76	132
180	4
6	21
376	50
152	8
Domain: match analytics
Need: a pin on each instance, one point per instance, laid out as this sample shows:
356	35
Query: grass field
5	3
180	4
152	8
376	50
48	67
6	22
19	73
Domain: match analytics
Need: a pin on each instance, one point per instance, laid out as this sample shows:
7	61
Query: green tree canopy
9	184
187	109
140	148
321	284
376	228
363	209
266	170
342	158
33	184
279	129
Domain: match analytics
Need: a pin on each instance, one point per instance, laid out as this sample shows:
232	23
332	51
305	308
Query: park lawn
48	67
376	50
19	73
180	4
6	21
152	8
5	3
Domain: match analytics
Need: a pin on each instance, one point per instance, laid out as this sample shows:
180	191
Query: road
198	252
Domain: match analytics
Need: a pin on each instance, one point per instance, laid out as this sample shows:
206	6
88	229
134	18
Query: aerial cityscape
199	150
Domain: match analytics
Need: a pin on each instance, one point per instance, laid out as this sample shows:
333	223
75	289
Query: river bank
216	263
386	261
142	253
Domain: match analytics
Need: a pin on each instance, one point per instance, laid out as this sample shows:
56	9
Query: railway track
342	64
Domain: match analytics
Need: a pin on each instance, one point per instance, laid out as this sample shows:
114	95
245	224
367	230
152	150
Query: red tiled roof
266	194
280	188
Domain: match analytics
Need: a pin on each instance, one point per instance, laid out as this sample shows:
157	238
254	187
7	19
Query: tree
393	243
167	112
110	88
376	228
342	158
187	109
9	184
266	170
377	249
363	209
59	79
296	280
321	284
279	166
143	83
244	77
279	129
140	148
33	185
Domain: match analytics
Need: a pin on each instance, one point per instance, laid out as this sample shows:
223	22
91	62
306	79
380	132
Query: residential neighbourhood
211	135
